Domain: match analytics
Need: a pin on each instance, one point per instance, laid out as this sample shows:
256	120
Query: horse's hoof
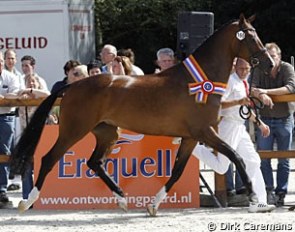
123	205
23	206
152	210
122	202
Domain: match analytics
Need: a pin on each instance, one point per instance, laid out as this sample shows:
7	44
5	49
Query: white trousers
234	133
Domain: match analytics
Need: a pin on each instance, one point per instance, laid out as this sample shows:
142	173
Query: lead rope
256	104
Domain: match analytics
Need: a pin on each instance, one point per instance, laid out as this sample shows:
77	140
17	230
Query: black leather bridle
256	104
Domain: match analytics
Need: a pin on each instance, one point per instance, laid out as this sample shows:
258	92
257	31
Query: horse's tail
22	154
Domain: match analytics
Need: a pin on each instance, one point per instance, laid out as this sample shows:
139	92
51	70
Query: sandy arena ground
176	220
184	220
199	220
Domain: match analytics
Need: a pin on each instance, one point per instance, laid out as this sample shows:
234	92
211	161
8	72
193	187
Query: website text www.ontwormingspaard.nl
138	201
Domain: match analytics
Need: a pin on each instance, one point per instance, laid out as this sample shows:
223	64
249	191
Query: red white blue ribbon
202	86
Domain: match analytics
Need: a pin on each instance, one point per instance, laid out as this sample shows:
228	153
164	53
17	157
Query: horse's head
250	47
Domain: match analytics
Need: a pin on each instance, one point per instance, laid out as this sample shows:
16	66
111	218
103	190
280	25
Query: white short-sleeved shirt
9	83
136	71
26	113
235	90
42	82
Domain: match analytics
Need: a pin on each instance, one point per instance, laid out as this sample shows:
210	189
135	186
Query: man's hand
264	129
266	100
262	95
244	101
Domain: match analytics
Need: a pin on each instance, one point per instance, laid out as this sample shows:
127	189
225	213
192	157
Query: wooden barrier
24	102
4	158
21	102
277	154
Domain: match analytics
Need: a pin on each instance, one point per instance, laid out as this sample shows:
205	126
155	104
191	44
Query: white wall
55	29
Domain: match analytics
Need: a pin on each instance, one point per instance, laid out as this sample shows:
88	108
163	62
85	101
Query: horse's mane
226	24
219	29
206	44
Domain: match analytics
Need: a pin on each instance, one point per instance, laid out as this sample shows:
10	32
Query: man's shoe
271	200
3	197
280	199
238	200
242	190
260	207
230	193
13	187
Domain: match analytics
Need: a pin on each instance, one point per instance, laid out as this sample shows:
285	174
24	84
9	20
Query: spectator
130	54
34	89
74	71
10	62
108	54
121	65
165	59
94	67
233	131
9	86
77	73
28	67
67	67
279	118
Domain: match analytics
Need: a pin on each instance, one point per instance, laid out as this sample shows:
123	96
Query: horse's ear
242	20
242	17
251	18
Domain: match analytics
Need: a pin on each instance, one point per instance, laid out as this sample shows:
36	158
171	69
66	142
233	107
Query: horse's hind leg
47	163
186	147
211	139
106	136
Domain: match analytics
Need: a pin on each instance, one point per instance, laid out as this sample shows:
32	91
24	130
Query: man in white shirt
233	131
10	62
9	85
10	59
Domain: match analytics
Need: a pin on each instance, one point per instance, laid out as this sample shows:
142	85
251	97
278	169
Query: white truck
52	31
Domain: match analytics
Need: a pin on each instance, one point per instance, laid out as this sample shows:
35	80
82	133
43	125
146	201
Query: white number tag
240	35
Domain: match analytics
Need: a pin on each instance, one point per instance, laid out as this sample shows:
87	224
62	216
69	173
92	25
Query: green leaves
147	25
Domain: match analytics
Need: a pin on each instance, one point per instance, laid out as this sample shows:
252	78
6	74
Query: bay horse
156	104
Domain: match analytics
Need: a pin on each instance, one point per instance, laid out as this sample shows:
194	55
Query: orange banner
140	164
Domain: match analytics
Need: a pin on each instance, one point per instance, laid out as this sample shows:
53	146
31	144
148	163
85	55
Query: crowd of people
276	124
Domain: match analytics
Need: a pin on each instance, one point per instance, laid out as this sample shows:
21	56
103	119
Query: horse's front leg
212	139
186	147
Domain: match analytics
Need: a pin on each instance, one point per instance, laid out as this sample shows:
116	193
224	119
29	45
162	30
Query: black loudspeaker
193	28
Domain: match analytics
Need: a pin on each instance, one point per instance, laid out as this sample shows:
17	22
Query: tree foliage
147	25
